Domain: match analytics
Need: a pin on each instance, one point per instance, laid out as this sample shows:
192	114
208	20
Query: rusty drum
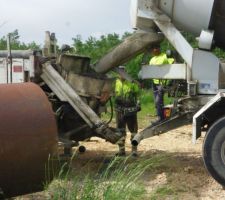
28	139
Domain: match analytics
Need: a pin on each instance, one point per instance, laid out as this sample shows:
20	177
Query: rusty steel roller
28	139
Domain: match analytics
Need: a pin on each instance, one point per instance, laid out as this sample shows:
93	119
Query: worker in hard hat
159	58
126	107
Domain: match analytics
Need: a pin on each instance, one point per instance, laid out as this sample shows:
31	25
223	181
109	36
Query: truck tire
214	151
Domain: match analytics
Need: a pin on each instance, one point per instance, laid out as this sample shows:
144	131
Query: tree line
16	44
95	48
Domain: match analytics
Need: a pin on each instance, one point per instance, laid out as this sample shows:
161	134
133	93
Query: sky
67	18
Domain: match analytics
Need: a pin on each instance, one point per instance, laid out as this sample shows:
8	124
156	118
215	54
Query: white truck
204	105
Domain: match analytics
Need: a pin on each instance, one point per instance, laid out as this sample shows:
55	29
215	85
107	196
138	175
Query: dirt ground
182	176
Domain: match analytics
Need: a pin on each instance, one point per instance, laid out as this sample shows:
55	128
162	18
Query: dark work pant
121	123
159	100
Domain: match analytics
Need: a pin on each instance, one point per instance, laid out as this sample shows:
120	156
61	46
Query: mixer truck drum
217	23
28	139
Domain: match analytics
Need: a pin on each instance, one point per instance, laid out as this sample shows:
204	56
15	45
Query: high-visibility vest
126	90
161	59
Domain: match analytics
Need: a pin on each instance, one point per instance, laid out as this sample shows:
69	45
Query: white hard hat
121	67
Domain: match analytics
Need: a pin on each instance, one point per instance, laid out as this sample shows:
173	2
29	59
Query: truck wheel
214	151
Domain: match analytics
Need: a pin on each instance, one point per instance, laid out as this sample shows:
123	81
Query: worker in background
159	58
126	107
173	56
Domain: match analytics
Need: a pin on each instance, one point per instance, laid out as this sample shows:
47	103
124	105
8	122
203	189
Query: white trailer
22	67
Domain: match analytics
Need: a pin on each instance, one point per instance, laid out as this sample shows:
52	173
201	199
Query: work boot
122	151
121	145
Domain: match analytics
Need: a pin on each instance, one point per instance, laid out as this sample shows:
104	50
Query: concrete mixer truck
204	73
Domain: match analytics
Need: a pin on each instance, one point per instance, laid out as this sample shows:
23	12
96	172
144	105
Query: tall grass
119	180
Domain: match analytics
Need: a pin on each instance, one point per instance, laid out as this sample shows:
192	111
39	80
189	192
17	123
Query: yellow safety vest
125	90
161	59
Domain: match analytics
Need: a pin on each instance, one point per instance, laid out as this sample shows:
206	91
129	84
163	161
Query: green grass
119	179
147	102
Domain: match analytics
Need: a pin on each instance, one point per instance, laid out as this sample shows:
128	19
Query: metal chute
132	46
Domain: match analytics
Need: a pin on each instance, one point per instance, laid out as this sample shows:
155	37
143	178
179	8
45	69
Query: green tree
16	44
95	48
33	46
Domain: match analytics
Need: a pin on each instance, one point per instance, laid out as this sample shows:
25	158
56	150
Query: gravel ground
181	176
